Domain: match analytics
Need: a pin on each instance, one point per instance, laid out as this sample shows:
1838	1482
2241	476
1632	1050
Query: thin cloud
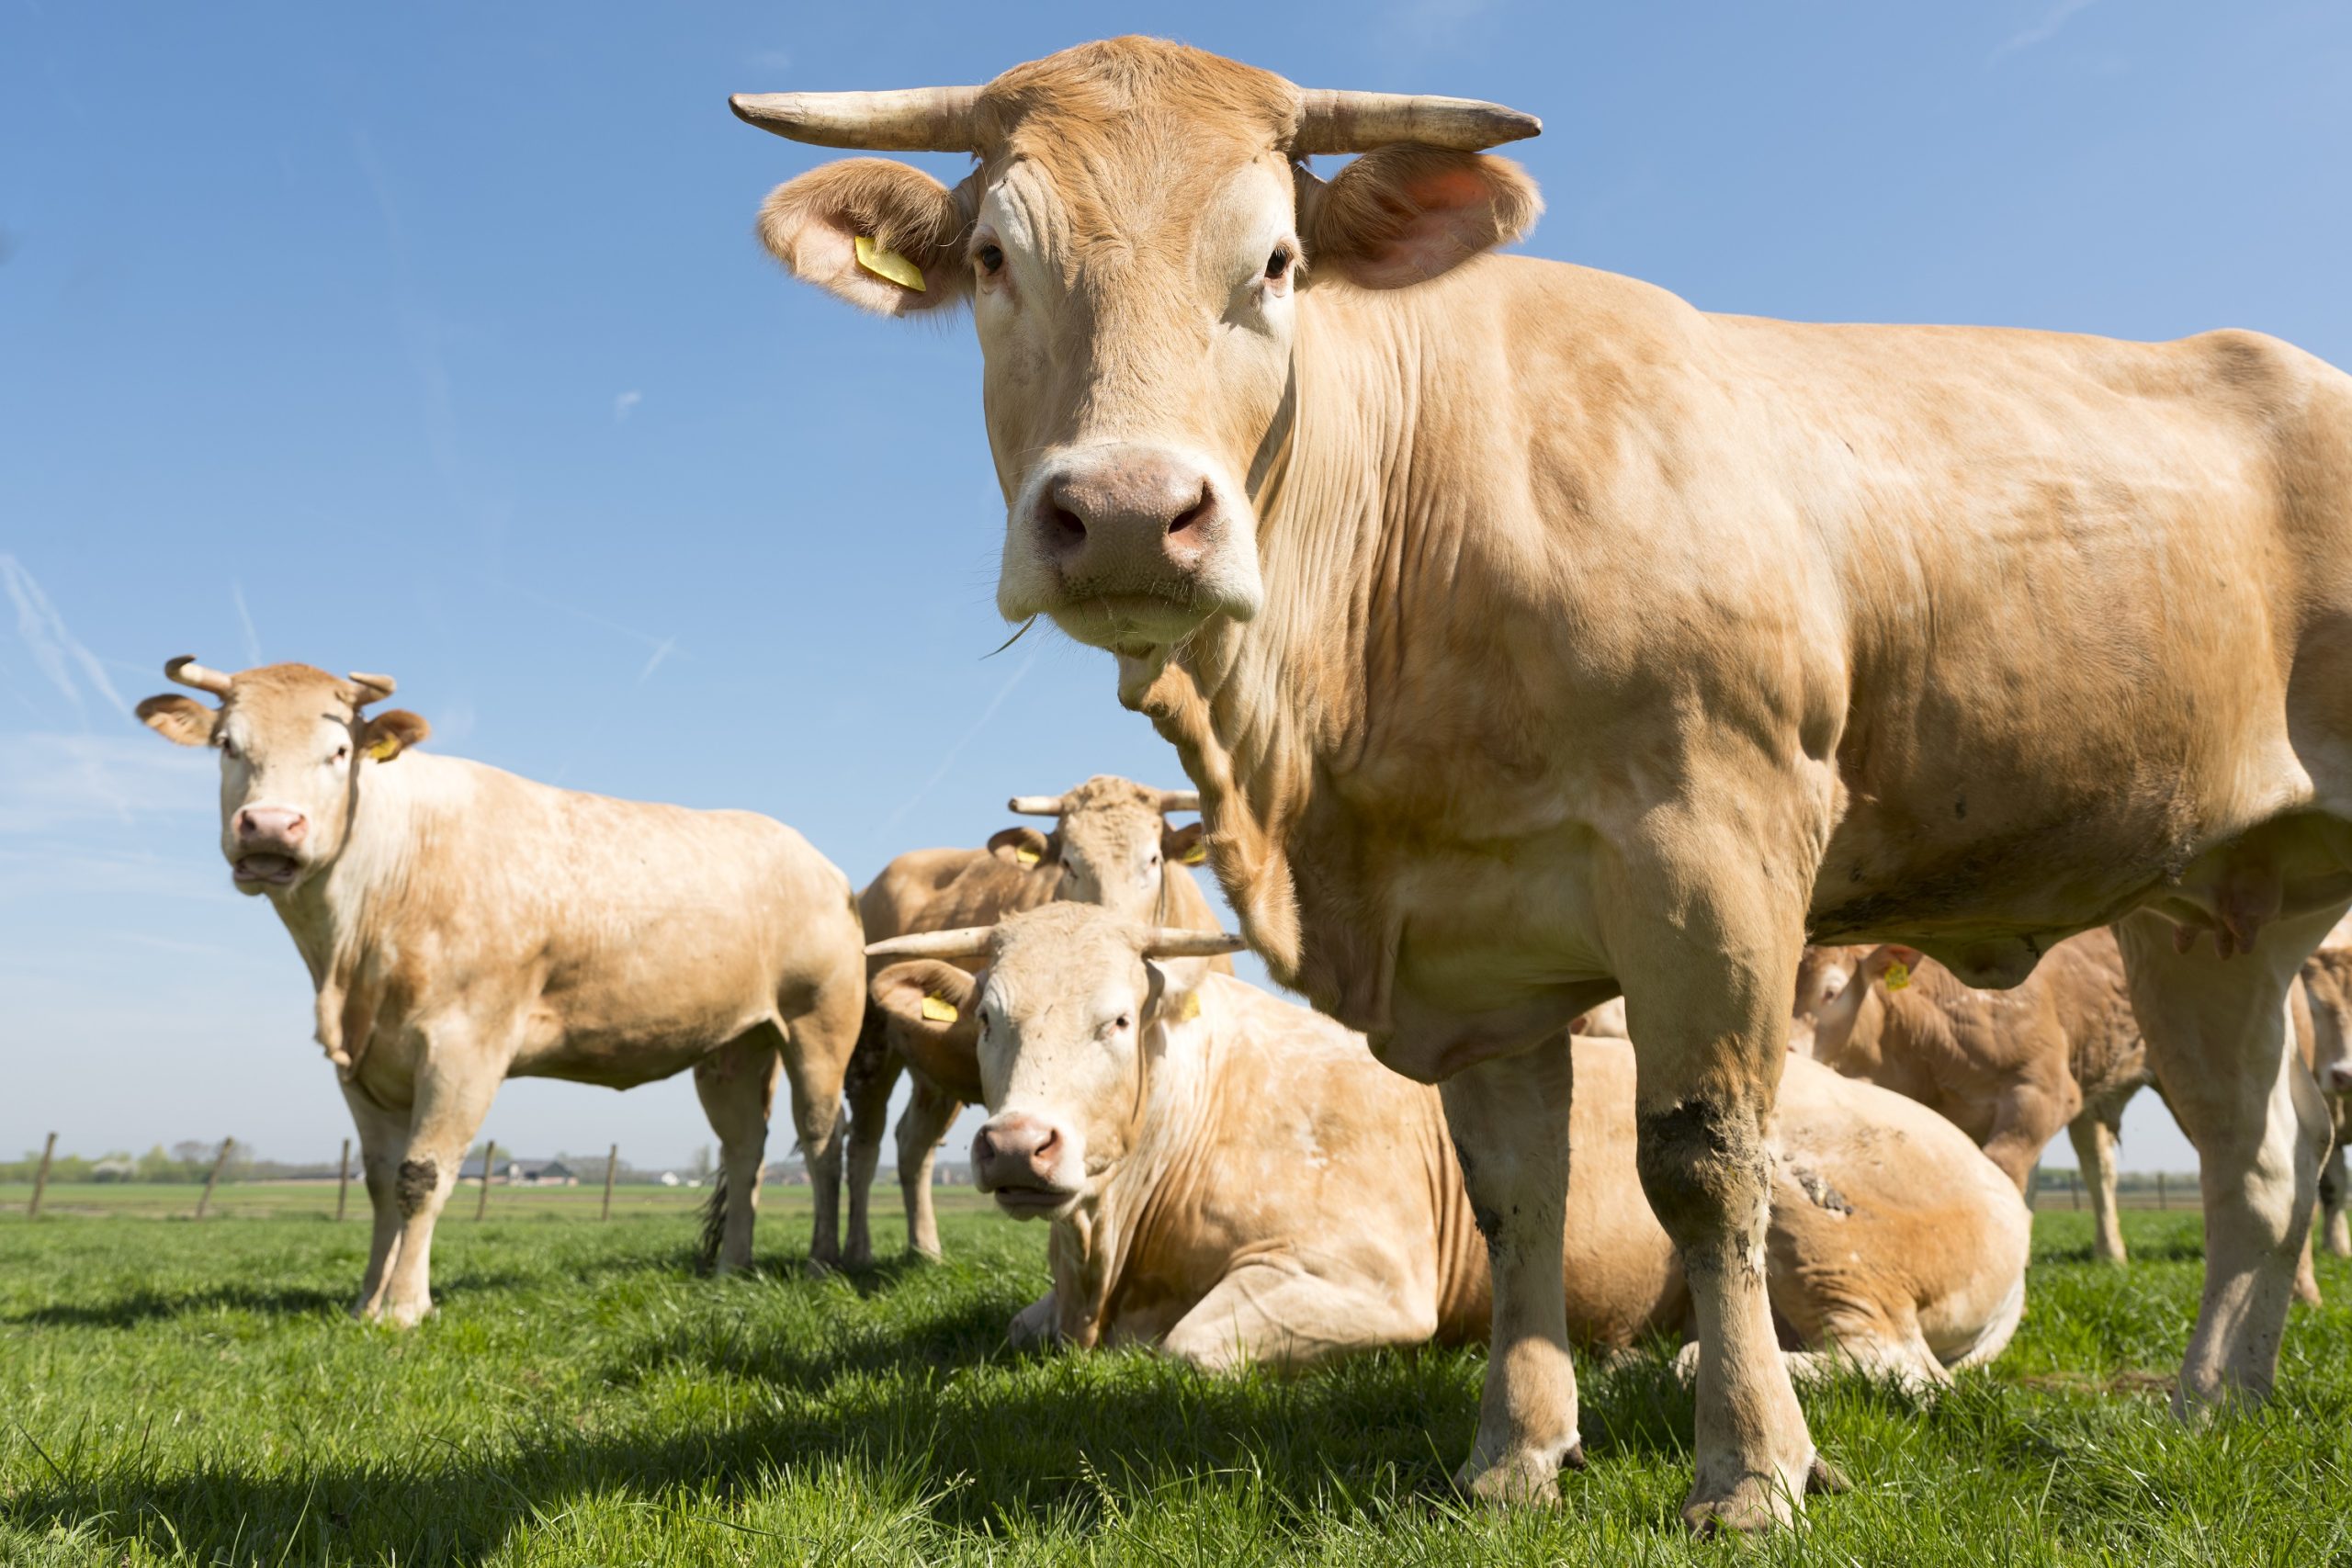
662	648
245	619
54	648
626	404
948	761
2041	32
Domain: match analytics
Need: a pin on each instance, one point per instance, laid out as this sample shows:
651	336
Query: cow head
2327	986
294	746
1134	242
1112	844
1055	1036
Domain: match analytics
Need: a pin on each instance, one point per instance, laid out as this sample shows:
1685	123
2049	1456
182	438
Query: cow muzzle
1130	546
1018	1158
267	846
2336	1077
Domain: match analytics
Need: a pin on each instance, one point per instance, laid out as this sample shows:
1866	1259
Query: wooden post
343	1181
488	1153
40	1178
2074	1190
2162	1202
213	1176
612	1163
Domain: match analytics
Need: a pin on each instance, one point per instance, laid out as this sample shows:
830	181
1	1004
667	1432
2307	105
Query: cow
2328	982
2010	1068
463	926
1233	1178
1536	638
1111	844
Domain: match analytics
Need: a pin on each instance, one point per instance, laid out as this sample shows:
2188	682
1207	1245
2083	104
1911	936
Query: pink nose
272	825
1130	519
1014	1150
2338	1077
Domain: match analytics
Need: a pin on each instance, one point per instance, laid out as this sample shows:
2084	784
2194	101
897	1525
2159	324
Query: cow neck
1265	713
1094	1249
340	918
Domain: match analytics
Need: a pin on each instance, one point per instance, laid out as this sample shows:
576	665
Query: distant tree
700	1168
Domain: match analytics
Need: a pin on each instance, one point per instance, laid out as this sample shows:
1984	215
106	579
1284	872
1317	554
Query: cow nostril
1195	512
1048	1150
1062	525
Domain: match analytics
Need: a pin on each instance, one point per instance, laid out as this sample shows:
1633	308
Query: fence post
40	1178
213	1176
612	1163
489	1154
2161	1201
343	1181
2075	1189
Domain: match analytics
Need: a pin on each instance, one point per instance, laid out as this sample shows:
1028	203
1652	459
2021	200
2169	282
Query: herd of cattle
1532	640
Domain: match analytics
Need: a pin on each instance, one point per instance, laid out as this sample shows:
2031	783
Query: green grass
177	1393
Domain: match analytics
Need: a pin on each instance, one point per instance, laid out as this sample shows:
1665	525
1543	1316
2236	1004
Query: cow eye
1279	263
1122	1022
341	752
991	257
228	748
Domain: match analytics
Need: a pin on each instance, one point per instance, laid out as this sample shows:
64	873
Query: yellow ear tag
1189	1008
384	751
938	1012
1197	854
1025	855
1898	974
883	261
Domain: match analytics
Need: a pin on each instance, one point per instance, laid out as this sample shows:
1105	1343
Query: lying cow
2008	1068
2327	982
1534	636
463	926
1232	1177
1111	844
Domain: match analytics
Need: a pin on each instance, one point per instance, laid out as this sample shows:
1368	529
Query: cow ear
1025	846
1185	845
881	234
390	733
930	1006
181	720
1401	214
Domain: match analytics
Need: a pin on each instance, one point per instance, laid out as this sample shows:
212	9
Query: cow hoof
1825	1479
1752	1505
1521	1478
406	1315
820	1269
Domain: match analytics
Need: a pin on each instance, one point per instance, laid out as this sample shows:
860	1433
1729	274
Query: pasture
185	1394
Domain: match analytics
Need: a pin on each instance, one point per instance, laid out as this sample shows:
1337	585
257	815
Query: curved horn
1180	941
1034	806
1179	800
373	688
912	119
189	672
1357	122
971	941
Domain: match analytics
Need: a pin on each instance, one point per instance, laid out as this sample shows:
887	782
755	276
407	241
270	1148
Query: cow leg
452	1098
873	1074
737	1085
815	1078
2217	1031
1038	1326
930	1112
2332	1194
1265	1313
383	1143
1508	1121
1707	994
2094	1141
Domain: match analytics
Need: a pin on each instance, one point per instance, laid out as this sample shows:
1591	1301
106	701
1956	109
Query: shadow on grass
140	1307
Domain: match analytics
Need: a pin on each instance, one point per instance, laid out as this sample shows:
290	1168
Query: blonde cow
2327	982
463	926
1111	844
1534	636
1232	1177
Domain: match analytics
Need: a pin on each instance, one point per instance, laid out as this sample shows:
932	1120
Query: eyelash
1279	264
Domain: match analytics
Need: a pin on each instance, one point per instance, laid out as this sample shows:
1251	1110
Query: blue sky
432	339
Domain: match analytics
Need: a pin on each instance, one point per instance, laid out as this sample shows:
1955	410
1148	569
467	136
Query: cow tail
714	1225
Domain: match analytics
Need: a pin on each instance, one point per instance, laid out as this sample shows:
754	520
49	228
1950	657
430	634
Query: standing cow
1112	844
464	926
1534	636
2327	982
2009	1068
1233	1178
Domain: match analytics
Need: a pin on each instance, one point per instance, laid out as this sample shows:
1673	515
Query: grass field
181	1392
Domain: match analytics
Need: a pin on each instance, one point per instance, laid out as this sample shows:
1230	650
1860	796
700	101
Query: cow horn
1179	800
189	672
1034	806
1182	941
373	688
912	119
1357	122
971	941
